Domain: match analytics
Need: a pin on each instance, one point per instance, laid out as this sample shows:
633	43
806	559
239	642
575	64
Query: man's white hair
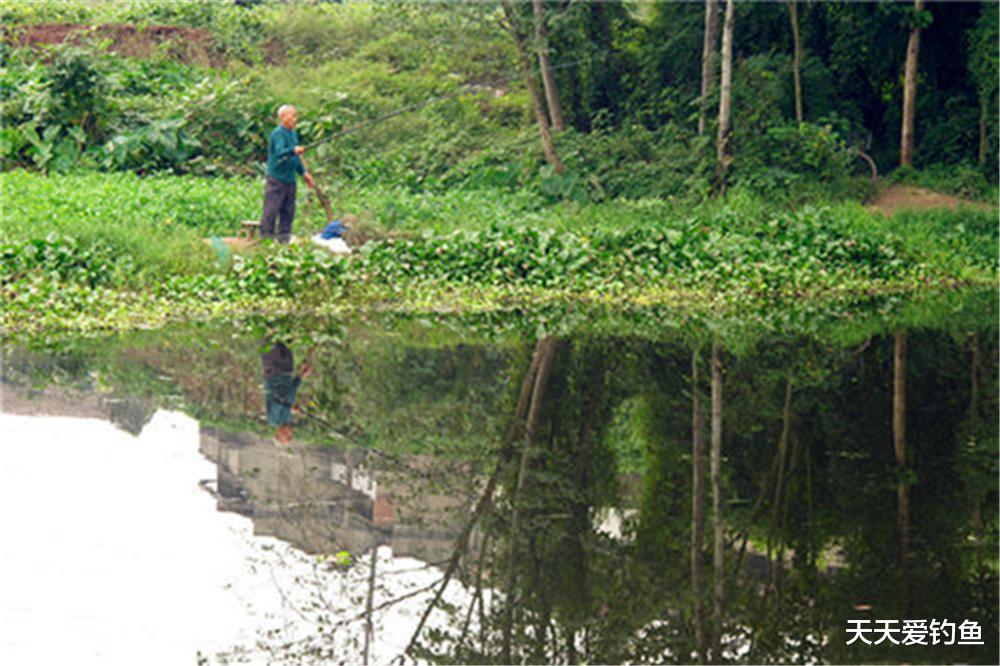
283	109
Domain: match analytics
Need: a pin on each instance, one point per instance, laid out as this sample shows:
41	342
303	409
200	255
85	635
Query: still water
502	490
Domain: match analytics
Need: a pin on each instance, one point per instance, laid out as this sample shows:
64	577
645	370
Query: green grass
70	242
158	221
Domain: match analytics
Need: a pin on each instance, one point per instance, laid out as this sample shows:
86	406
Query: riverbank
111	252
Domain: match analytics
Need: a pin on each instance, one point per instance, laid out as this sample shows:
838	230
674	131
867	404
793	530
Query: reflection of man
280	387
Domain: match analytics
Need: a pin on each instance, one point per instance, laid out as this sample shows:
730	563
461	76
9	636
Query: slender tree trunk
719	544
793	14
708	50
977	514
477	597
548	80
779	486
981	157
783	530
899	445
369	623
524	414
697	507
529	80
899	398
725	95
974	384
910	91
549	347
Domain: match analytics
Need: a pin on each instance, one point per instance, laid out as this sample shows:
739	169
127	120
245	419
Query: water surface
545	470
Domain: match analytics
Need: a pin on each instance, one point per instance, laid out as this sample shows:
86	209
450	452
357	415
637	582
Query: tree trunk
910	91
977	514
708	59
899	398
529	80
981	157
899	445
719	544
524	414
549	346
548	80
697	508
725	94
779	485
793	13
369	623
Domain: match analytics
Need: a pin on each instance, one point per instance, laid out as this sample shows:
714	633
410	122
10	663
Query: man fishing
283	163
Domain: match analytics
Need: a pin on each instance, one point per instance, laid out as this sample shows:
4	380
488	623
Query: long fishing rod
432	100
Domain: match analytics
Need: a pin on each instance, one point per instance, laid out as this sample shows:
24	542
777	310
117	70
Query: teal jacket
279	396
282	162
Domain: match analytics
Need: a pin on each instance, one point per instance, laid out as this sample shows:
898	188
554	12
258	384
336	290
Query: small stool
248	228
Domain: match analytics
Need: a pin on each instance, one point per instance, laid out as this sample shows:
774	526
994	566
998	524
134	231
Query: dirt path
907	197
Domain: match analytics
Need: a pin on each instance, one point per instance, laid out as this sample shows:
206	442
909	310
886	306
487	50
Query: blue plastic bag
333	230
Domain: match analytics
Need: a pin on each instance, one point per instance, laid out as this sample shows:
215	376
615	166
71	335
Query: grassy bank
113	250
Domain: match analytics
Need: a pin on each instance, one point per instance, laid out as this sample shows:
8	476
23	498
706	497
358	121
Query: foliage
984	66
632	64
147	233
964	180
158	222
63	260
437	384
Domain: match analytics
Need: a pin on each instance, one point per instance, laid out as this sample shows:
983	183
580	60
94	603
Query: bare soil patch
907	197
191	45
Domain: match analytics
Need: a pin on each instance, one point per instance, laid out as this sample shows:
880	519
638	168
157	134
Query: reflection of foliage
446	389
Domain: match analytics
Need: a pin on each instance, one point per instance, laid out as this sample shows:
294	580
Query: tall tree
725	96
708	59
514	27
548	80
984	65
910	87
793	15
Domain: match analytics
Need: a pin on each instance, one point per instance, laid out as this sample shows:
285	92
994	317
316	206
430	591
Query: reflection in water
842	477
281	385
330	499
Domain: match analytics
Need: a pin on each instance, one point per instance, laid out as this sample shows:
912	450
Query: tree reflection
558	483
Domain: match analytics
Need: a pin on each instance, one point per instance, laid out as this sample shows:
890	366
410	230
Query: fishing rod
420	105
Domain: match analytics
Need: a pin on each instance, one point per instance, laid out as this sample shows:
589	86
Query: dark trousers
279	202
278	360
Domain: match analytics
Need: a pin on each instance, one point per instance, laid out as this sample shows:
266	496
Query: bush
635	162
64	259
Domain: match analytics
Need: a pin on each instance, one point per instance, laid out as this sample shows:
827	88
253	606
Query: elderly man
283	162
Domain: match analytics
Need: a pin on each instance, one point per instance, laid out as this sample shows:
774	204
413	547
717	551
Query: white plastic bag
335	245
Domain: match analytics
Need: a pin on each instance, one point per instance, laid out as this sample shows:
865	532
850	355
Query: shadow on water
609	487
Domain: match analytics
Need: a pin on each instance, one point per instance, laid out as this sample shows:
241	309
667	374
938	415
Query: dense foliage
628	82
145	241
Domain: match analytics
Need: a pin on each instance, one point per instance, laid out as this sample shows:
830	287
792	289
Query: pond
587	486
